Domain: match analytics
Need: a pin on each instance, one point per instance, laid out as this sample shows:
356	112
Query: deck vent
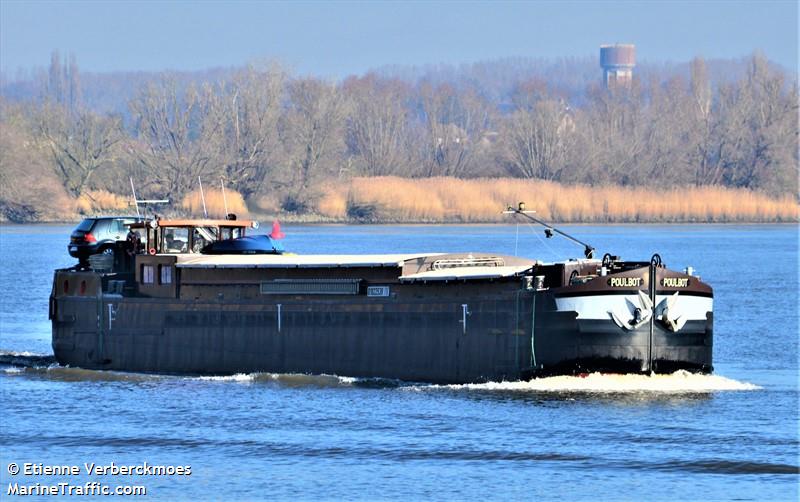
488	261
310	287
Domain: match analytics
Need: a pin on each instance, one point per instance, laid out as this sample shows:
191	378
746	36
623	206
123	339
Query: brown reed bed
103	201
215	203
390	199
394	199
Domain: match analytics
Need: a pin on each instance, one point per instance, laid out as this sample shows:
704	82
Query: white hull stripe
693	308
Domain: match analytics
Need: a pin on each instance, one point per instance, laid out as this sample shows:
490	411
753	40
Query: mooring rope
544	242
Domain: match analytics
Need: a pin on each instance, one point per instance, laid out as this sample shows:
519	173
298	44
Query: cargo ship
217	301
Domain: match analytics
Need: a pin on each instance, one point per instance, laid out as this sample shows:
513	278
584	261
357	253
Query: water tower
618	61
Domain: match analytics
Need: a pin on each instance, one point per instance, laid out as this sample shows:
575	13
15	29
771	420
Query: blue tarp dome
252	244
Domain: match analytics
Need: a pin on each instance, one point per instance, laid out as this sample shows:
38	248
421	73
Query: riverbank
453	200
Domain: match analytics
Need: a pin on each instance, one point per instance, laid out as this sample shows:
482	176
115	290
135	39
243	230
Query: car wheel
107	251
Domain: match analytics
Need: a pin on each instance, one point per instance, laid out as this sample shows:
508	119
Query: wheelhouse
180	236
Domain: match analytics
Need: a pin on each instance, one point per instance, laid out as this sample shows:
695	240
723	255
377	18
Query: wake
679	382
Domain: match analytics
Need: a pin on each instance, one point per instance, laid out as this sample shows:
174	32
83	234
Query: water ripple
726	467
296	450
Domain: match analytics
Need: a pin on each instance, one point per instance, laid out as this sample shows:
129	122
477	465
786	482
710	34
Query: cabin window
165	276
148	274
176	240
202	237
230	233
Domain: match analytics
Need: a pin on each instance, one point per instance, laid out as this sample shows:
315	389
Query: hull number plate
378	291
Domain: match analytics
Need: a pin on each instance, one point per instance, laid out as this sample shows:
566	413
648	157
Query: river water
731	435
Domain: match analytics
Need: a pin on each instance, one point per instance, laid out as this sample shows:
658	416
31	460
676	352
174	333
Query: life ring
152	251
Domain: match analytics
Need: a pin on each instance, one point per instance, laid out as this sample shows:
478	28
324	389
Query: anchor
670	314
635	315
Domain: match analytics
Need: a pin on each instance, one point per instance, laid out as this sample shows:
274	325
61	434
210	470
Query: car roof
114	217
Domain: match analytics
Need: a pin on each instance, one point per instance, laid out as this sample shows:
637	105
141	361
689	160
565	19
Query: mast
202	197
135	202
224	199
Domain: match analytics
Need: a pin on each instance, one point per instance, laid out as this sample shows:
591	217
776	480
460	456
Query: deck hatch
310	287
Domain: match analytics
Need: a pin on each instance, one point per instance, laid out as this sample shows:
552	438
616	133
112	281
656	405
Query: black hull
601	346
509	335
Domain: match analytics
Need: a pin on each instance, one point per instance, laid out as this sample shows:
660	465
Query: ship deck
296	261
455	274
418	267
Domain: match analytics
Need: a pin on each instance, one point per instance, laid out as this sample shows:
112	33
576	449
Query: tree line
263	130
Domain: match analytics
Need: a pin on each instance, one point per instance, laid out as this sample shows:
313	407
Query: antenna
588	250
136	201
203	197
224	200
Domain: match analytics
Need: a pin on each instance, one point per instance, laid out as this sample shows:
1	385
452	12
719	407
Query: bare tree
29	187
615	134
63	82
79	144
377	126
703	153
534	140
55	79
249	109
312	136
179	140
769	153
453	124
665	133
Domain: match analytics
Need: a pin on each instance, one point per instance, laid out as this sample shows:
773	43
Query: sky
335	39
